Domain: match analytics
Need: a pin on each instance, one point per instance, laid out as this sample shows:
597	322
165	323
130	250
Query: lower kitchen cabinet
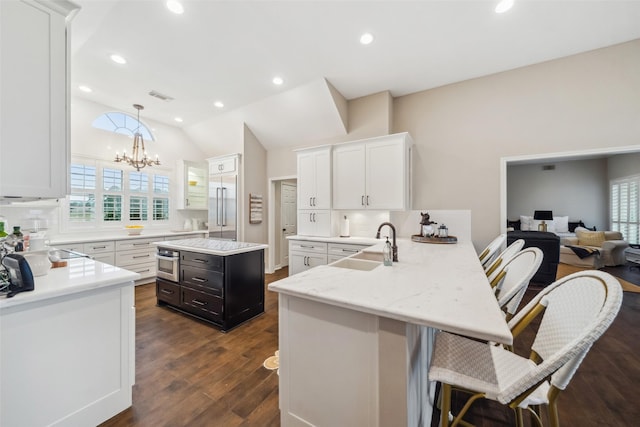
306	254
137	255
222	290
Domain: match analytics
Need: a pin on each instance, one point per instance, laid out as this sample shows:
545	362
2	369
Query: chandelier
138	158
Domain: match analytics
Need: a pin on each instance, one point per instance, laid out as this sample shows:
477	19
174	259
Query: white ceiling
230	51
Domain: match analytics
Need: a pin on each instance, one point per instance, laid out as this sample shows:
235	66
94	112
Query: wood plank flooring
190	374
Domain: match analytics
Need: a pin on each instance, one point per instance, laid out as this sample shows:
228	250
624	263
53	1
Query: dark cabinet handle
141	256
202	303
166	291
362	200
367	200
204	261
199	280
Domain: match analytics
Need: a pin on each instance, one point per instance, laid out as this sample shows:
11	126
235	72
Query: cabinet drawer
98	247
307	246
108	258
127	245
344	249
205	280
145	270
168	292
126	258
202	304
207	261
75	247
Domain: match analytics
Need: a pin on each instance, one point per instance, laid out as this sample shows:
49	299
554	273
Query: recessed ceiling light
503	6
85	89
178	119
118	59
277	80
366	38
175	6
218	104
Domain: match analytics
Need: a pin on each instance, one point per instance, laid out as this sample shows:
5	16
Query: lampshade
543	215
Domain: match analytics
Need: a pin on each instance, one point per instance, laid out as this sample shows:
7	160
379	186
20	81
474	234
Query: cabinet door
385	175
193	185
220	165
306	226
314	179
314	223
302	261
349	177
33	83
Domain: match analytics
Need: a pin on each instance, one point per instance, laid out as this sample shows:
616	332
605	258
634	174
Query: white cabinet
225	164
137	255
373	173
314	223
314	178
101	251
33	107
304	254
193	181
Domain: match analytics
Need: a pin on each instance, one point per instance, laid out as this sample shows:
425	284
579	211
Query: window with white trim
122	196
625	207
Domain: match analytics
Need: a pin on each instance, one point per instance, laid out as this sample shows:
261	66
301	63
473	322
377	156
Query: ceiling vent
161	96
548	167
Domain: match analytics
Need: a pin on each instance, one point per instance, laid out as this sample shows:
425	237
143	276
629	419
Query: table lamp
543	216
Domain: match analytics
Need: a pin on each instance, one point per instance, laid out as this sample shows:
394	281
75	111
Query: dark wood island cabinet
225	290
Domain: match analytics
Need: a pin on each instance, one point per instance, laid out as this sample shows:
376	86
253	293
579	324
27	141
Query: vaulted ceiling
229	51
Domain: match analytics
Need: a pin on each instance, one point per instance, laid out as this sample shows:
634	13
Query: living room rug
629	279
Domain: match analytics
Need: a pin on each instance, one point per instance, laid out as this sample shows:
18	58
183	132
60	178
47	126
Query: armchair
610	244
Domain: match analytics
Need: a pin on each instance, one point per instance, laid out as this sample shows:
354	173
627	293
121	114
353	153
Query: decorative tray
434	239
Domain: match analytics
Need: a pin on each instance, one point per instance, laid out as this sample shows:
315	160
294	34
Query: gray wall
578	189
624	165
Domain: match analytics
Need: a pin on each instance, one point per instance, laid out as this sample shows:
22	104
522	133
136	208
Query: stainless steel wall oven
168	264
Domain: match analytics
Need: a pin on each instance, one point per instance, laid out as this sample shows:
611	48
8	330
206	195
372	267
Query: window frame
125	193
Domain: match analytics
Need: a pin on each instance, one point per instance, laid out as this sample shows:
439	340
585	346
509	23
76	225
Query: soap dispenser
387	252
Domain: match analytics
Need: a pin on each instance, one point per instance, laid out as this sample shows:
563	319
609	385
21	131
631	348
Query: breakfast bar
356	336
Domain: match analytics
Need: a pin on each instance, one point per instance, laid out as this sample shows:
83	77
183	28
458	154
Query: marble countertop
212	246
436	285
349	240
119	234
80	275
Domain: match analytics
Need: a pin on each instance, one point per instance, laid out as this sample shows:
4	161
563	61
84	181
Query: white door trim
270	267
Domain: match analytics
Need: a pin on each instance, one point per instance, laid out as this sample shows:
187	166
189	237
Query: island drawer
205	280
210	262
168	292
202	304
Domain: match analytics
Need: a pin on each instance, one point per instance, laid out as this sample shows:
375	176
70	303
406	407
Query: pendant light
138	158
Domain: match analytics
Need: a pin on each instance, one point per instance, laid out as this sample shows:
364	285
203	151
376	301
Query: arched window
122	123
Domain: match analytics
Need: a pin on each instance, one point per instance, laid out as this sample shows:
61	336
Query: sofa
609	244
549	243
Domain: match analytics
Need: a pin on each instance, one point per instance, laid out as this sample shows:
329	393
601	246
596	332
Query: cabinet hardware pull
200	260
314	201
141	244
195	301
199	280
98	247
314	217
367	200
164	291
350	250
142	271
310	218
362	200
141	256
307	246
310	201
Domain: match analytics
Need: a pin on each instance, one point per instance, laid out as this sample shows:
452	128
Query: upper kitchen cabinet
193	184
222	165
373	174
34	107
314	178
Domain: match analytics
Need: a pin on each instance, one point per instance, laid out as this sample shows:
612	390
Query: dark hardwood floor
190	374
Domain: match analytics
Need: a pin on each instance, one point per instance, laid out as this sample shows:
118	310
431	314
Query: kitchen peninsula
218	281
67	351
355	336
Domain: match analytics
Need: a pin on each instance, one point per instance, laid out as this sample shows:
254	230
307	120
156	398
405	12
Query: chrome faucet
394	247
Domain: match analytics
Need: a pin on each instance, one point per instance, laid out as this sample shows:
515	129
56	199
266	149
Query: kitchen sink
356	264
370	256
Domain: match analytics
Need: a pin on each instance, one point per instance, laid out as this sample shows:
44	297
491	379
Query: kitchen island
219	281
355	337
67	352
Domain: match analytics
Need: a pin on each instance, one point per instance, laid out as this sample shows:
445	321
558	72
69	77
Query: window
82	200
122	195
122	123
625	207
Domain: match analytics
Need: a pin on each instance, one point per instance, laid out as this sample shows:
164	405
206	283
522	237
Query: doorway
282	220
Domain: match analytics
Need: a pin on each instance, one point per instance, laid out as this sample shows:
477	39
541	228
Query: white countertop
120	234
80	274
438	285
337	239
212	246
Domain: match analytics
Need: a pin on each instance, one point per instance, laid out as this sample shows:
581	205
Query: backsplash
363	223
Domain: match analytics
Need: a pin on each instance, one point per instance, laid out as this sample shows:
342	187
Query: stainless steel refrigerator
223	207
